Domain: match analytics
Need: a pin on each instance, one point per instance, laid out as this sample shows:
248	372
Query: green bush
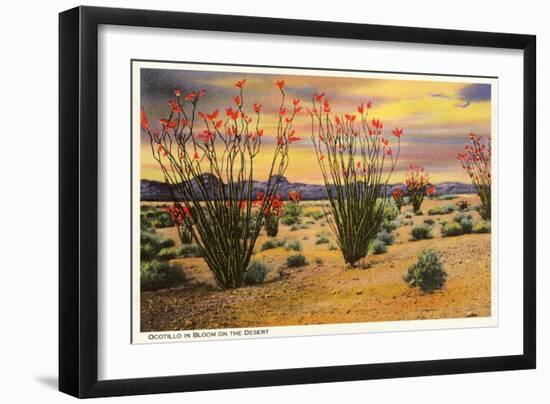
271	225
378	247
293	245
157	274
481	226
296	260
332	247
427	273
466	222
451	229
386	237
256	273
418	213
292	214
429	221
441	210
390	212
322	240
408	216
270	244
189	251
391	225
421	232
151	244
462	205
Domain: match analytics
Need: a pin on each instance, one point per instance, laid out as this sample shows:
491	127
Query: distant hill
160	191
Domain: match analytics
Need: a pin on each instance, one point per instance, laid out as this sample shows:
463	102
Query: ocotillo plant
356	162
398	198
181	216
210	164
417	181
476	160
272	215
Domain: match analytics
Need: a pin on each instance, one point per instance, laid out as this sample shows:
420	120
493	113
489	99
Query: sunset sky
436	116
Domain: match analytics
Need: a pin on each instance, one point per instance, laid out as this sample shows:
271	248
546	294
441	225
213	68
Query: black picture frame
78	196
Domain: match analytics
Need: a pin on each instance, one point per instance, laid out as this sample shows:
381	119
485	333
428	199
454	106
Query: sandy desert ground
326	291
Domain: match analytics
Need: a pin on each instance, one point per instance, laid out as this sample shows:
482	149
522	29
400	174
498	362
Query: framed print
251	201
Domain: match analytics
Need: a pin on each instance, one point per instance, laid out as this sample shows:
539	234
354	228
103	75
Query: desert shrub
427	273
418	213
390	212
408	223
151	244
315	214
166	254
293	245
158	274
378	247
318	260
408	216
391	225
462	205
322	240
294	228
386	237
451	229
429	221
256	273
296	260
270	244
189	251
271	225
481	226
332	247
441	210
421	232
465	221
292	214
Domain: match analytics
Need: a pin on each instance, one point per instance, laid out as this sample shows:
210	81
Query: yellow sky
436	116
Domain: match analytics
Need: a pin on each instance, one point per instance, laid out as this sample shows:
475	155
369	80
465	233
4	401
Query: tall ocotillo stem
476	160
356	163
210	164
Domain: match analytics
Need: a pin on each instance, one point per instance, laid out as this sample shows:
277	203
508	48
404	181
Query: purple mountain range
160	191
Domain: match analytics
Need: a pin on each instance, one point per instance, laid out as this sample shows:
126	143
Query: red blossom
361	108
397	132
174	106
319	97
240	83
177	92
237	100
350	117
326	106
280	84
369	104
294	196
213	115
144	122
257	108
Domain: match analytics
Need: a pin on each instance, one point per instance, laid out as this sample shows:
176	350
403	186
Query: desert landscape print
267	197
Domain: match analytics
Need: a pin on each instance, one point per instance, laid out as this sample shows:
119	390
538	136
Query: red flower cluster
418	183
294	196
177	214
398	197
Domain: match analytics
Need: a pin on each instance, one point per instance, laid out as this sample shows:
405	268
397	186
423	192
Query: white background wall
28	198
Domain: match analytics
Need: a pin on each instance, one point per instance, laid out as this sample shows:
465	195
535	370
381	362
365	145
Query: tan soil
329	292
